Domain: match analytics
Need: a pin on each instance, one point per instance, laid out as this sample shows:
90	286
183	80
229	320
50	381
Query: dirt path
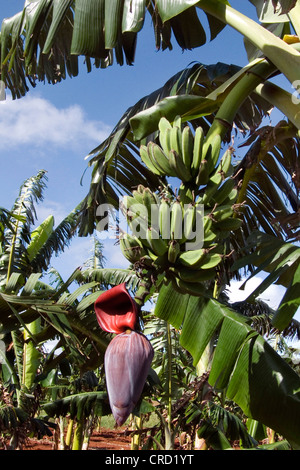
107	439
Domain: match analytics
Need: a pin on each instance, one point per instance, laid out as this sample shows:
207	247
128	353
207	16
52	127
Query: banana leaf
281	260
244	365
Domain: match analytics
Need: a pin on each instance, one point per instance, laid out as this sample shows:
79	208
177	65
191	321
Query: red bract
116	310
127	361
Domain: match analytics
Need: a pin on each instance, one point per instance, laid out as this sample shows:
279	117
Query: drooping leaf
245	368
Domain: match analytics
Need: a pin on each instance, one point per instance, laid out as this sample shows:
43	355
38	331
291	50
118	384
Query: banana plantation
160	347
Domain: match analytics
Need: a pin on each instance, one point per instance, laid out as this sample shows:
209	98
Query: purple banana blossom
127	362
129	354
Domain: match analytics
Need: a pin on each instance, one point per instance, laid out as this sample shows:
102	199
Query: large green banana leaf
44	40
244	364
51	34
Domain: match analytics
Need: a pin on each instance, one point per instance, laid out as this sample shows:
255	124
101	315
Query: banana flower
129	354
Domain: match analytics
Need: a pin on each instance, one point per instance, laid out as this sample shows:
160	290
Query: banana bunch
181	154
165	232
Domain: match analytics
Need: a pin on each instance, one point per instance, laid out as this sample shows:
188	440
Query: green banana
187	146
148	162
232	197
153	158
222	212
150	202
196	275
129	201
203	173
176	163
138	196
223	191
131	247
197	151
211	260
164	127
225	163
193	258
207	223
211	150
176	222
164	217
216	178
186	193
173	251
137	218
229	224
157	244
161	159
189	222
210	237
175	139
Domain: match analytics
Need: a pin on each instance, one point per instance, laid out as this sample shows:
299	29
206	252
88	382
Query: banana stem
69	434
244	87
78	434
283	56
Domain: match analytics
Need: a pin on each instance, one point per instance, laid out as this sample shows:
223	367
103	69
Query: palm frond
43	42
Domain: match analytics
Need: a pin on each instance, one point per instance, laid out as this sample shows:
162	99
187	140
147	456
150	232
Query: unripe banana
222	213
176	223
217	178
148	162
157	244
223	191
211	150
229	224
207	224
164	127
161	159
225	163
192	259
211	260
196	275
164	217
131	248
153	157
187	146
232	197
150	202
189	222
176	163
173	251
176	139
203	173
197	151
138	196
186	193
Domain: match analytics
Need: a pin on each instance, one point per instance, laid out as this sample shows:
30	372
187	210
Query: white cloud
54	208
37	122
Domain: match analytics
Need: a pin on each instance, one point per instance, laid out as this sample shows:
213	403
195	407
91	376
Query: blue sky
55	126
